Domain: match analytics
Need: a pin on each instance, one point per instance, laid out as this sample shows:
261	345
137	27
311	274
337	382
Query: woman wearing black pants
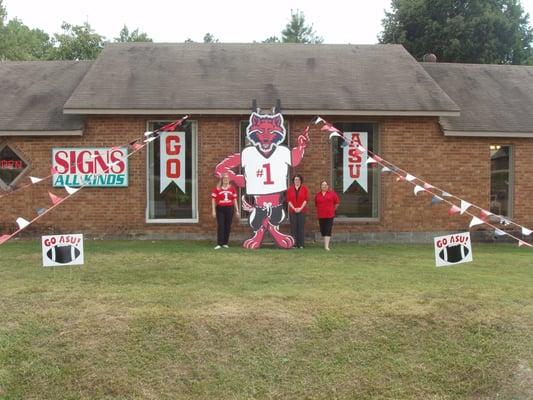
223	201
297	201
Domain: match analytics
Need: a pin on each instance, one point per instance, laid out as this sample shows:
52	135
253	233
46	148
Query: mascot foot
255	241
283	241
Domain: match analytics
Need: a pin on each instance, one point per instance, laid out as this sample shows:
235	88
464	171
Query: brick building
467	129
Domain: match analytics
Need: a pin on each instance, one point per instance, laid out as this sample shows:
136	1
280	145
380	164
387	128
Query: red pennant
377	158
329	128
4	238
454	210
55	199
53	171
136	146
484	215
427	186
400	178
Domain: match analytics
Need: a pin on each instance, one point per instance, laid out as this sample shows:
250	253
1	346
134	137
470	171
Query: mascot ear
278	119
255	119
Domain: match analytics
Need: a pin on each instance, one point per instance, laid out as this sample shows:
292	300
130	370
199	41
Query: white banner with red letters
354	161
172	155
62	250
453	249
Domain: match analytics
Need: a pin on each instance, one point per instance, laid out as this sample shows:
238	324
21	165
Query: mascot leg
256	221
276	217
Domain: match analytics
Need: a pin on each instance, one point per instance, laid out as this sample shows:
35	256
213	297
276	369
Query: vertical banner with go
354	161
172	155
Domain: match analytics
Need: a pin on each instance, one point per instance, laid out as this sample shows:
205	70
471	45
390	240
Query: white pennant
150	139
410	178
446	194
318	120
465	205
370	160
71	190
476	221
148	133
526	232
386	169
499	232
418	189
34	179
22	223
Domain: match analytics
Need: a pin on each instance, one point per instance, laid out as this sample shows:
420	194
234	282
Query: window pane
356	203
11	165
500	180
172	203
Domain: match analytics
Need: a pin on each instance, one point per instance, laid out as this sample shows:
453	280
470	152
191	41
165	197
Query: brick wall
458	165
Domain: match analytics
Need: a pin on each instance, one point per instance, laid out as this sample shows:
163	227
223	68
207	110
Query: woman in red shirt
297	200
223	200
326	202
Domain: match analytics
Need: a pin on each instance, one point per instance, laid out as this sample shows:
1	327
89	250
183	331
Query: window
12	166
172	204
244	142
356	202
501	180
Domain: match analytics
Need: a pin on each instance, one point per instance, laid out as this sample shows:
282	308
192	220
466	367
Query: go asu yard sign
453	249
62	250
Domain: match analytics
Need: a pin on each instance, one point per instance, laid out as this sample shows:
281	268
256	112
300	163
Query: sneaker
225	246
218	247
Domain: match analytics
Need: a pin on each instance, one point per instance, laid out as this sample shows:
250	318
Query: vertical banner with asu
354	161
172	154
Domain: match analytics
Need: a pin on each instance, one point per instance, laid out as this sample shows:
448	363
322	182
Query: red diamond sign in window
12	165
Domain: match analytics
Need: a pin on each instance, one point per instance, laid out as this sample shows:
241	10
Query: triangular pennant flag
418	189
34	179
333	134
484	214
318	120
522	243
446	194
378	158
148	133
400	178
436	199
53	171
55	199
22	223
150	139
136	146
476	221
427	186
370	160
40	210
526	232
329	128
386	169
454	210
410	178
71	190
465	205
499	232
4	238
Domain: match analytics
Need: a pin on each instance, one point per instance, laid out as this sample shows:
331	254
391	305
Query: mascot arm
297	153
226	166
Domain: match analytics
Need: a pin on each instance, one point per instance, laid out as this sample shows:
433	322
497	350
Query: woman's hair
298	176
219	182
326	182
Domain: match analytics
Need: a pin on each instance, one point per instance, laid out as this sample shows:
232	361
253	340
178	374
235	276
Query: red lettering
61	162
355	170
173	168
172	145
85	166
116	157
354	156
355	140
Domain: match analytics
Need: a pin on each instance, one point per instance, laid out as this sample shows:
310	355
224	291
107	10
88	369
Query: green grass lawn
176	320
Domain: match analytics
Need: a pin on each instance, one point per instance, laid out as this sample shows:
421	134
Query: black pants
224	218
297	228
325	226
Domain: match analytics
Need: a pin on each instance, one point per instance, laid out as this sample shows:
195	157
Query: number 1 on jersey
269	180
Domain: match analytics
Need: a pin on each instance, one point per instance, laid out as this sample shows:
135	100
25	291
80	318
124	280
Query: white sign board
62	250
172	156
354	161
453	249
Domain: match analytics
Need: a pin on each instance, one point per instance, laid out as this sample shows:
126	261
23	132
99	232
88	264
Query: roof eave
74	132
488	134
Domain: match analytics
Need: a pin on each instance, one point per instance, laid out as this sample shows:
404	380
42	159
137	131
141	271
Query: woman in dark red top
223	199
326	202
297	200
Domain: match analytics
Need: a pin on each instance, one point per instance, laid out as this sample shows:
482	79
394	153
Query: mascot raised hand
265	167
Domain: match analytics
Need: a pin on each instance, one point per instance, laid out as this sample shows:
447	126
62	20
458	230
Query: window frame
194	178
363	220
510	205
3	185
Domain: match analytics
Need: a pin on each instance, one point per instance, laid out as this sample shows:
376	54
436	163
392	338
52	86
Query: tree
474	31
78	42
18	42
3	13
125	36
272	39
210	38
296	31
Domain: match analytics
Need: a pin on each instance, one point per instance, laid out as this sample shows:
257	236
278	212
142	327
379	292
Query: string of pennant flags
136	146
421	186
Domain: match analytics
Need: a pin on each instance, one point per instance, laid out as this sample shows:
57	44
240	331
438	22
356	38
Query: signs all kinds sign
90	166
62	250
453	249
172	159
354	161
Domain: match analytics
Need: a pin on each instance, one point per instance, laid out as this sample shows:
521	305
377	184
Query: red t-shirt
325	204
224	197
297	198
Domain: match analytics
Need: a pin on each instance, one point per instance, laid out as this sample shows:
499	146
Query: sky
349	21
